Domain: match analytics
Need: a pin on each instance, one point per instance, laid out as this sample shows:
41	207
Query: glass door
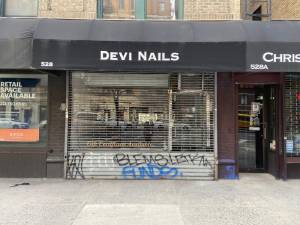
251	128
258	132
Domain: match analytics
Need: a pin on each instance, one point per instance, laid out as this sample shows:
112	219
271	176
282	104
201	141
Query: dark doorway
258	128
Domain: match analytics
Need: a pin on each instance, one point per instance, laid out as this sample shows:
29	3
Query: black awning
139	45
16	42
100	45
273	46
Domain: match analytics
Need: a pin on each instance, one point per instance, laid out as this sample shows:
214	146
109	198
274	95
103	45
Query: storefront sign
19	112
14	90
100	144
272	57
138	56
282	58
19	135
141	56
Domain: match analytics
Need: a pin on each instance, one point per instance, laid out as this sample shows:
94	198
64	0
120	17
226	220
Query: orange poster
20	135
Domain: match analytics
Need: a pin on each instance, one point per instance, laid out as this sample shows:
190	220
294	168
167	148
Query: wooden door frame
264	79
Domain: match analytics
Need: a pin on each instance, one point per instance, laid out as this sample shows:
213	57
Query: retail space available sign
14	90
270	58
17	111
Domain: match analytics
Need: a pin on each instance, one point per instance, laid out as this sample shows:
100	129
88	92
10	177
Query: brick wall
281	9
193	9
71	9
286	10
212	9
252	6
227	154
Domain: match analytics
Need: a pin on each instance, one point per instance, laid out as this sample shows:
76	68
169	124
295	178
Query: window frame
141	9
179	10
100	9
121	4
2	10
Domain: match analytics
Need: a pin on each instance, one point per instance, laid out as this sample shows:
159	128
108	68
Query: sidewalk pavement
254	199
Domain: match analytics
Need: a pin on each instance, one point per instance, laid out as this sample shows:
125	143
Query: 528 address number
47	64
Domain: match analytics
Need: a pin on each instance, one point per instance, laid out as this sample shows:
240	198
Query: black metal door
271	135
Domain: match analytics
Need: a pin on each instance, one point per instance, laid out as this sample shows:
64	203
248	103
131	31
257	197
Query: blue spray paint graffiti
158	165
150	171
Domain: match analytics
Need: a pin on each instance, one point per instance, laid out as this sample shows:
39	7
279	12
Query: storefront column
227	163
57	103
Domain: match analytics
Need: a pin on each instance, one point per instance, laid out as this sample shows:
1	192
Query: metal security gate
141	126
292	112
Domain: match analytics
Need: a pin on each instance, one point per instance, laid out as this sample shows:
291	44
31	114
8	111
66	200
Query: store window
21	8
134	112
23	110
118	9
162	9
292	112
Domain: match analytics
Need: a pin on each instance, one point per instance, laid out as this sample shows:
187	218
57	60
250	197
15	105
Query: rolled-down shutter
292	112
141	126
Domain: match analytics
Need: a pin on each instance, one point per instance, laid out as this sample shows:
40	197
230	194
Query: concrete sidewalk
254	199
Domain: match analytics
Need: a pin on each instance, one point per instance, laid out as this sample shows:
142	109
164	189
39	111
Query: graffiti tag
196	159
150	171
74	166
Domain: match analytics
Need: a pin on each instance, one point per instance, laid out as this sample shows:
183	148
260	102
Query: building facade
286	10
125	9
144	99
142	9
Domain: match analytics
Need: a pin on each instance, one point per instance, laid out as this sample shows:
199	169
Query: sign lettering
141	56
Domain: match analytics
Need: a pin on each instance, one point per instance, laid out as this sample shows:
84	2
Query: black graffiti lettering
121	159
171	160
74	166
139	160
161	160
204	162
150	158
181	159
195	158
